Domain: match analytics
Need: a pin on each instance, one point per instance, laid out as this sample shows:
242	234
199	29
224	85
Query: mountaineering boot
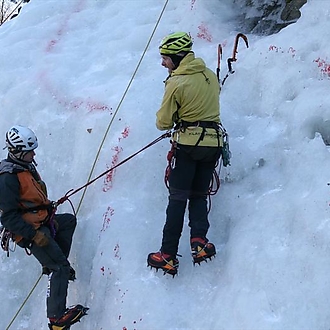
72	275
168	263
71	316
201	249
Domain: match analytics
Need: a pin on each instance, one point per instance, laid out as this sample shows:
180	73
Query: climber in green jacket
191	108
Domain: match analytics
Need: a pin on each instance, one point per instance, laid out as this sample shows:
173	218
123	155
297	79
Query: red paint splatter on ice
292	51
75	104
108	180
324	66
63	28
107	218
116	250
224	44
276	49
273	48
79	6
204	33
95	106
124	133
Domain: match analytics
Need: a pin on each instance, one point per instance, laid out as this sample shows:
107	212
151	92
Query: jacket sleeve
9	204
166	115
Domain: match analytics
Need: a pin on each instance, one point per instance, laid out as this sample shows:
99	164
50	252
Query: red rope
72	192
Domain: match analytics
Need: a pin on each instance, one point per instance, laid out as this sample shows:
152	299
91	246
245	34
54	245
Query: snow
78	73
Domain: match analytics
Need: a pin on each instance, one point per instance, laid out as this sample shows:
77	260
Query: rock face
266	17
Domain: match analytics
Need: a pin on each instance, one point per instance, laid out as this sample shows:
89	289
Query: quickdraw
170	163
225	152
5	237
231	59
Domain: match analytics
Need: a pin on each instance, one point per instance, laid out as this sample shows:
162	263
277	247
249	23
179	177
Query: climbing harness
224	156
7	237
231	59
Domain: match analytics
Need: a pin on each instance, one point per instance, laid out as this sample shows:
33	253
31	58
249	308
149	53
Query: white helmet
20	139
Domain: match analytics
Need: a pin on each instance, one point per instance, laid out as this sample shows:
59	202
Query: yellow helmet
175	43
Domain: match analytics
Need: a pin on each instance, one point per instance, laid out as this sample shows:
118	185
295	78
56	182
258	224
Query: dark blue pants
188	180
55	257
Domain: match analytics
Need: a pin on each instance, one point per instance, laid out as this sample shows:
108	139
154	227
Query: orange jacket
23	199
33	199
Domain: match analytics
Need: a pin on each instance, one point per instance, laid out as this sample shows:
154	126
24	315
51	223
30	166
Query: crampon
201	250
71	316
169	264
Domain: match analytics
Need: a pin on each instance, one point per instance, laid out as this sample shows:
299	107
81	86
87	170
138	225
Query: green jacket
191	95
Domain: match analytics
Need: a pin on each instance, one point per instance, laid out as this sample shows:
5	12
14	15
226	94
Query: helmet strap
176	59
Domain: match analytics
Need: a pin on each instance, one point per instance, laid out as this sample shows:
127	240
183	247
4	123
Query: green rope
120	103
101	145
24	302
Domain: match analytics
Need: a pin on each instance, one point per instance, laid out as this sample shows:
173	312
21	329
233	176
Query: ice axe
231	59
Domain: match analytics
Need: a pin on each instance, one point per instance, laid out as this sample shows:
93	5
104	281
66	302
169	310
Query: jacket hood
190	65
8	166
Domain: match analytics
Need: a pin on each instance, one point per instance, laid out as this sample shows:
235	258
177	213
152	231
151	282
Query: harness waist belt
201	123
